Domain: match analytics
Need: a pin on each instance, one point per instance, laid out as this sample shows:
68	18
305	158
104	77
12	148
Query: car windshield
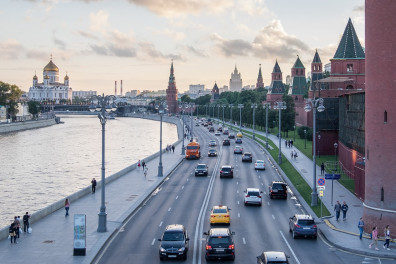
173	236
212	141
192	147
253	193
219	211
306	222
212	150
219	240
226	169
201	167
278	187
248	154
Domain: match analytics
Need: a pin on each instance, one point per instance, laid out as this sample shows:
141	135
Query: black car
226	142
278	189
227	171
212	153
303	225
231	136
247	157
273	257
238	141
219	244
201	169
211	129
174	242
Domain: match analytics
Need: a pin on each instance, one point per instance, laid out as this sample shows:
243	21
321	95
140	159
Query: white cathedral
50	89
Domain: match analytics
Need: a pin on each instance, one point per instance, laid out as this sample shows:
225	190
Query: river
41	166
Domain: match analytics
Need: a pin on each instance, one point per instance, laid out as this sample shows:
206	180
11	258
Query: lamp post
335	153
294	127
214	106
103	104
224	106
192	125
254	106
266	106
231	106
206	106
218	113
160	167
314	105
182	112
240	106
280	105
319	145
305	138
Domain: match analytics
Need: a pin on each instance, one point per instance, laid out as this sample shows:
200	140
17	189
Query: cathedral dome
35	77
66	78
51	67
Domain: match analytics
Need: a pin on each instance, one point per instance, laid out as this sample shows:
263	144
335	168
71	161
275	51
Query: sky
97	42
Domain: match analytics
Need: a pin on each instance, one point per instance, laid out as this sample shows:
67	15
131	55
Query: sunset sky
99	41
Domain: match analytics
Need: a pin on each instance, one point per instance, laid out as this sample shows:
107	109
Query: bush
300	132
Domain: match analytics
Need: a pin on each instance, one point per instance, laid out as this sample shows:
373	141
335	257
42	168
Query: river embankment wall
36	216
20	126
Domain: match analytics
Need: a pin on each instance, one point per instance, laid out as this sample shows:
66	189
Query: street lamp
266	106
218	113
335	153
224	106
314	105
280	105
231	106
206	106
182	112
294	127
191	123
305	138
319	145
103	104
240	106
254	106
160	168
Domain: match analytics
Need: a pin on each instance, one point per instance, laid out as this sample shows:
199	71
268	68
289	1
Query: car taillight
232	246
212	216
314	226
208	247
247	196
297	226
221	171
227	216
259	196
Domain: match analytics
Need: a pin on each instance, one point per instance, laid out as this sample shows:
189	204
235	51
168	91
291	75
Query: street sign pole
321	206
332	183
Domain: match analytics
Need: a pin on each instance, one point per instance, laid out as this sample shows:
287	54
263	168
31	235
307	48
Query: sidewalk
341	234
52	238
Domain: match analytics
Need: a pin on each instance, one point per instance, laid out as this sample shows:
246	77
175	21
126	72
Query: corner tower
316	71
260	83
277	88
171	92
298	85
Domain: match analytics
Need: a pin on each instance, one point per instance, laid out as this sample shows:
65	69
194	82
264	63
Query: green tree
9	96
203	100
185	99
33	108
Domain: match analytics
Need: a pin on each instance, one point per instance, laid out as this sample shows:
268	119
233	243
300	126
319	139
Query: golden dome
51	67
35	77
66	77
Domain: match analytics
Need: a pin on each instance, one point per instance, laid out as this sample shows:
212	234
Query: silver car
253	196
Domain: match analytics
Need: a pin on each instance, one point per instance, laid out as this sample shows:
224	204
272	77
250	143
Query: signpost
332	177
79	242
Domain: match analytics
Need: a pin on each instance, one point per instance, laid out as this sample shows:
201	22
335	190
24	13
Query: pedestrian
387	237
93	182
11	232
67	207
292	154
291	143
344	209
16	225
374	236
322	168
285	143
173	148
26	222
295	154
145	171
337	209
361	227
19	225
139	164
143	164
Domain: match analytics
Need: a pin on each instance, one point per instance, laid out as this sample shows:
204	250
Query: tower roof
298	64
276	67
51	67
349	47
260	76
316	58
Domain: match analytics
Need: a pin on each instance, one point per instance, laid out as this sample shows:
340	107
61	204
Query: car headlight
162	249
182	249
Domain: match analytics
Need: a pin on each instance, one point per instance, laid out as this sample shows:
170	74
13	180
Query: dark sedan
201	169
174	242
212	153
227	171
247	157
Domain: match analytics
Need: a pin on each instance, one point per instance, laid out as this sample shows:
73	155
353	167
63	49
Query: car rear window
226	169
220	211
173	236
254	193
248	154
277	186
305	222
219	240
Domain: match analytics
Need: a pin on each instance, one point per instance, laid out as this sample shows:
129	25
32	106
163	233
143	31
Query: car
212	143
259	165
206	124
227	171
220	214
274	257
212	153
174	242
247	157
238	140
210	123
239	134
218	133
201	169
225	132
219	244
303	225
238	150
211	129
231	136
220	129
226	142
278	189
196	124
253	196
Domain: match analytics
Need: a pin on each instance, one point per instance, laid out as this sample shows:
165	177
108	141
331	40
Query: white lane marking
244	241
273	217
237	202
262	183
265	192
237	183
268	203
237	191
152	243
182	187
287	243
259	177
169	209
177	197
188	178
239	215
160	224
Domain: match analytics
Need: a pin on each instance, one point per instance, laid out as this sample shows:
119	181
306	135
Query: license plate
220	250
171	256
275	190
306	228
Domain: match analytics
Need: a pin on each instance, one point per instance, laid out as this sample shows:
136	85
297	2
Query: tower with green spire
298	85
277	88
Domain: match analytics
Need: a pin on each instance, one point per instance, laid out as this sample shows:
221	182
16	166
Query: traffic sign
320	193
320	187
321	181
330	176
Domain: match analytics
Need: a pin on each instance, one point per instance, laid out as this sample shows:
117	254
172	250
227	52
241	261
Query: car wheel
161	258
271	197
233	258
315	237
185	256
294	235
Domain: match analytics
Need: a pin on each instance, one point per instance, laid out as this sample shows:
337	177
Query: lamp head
308	107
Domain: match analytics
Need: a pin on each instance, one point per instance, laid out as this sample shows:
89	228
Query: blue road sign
329	176
321	181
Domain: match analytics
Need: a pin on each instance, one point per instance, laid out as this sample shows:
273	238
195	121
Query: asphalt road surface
186	199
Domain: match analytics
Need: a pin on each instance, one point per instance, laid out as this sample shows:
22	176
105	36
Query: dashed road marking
160	224
273	217
169	209
239	215
268	203
182	187
177	197
237	202
152	243
237	191
244	240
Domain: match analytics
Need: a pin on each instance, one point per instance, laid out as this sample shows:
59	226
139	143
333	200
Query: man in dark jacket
26	222
93	182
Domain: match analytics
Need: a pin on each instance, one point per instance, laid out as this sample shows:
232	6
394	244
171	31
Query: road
186	199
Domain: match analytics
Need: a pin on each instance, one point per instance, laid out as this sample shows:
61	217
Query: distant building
249	87
288	80
50	89
215	93
196	88
83	94
132	93
223	89
235	81
298	85
171	93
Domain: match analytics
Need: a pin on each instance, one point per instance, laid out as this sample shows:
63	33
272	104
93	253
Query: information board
79	235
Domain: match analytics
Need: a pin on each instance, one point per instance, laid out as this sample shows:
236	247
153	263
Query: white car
253	196
212	143
259	165
218	133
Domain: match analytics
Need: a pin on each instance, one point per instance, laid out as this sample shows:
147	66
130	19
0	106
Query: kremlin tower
171	93
260	83
277	88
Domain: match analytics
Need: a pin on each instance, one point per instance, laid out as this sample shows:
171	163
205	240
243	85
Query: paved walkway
52	238
341	234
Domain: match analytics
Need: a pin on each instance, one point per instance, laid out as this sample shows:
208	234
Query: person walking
374	236
361	227
143	164
26	222
93	182
337	209
67	207
322	168
145	171
344	209
295	154
139	164
173	148
387	237
292	154
17	225
11	232
285	143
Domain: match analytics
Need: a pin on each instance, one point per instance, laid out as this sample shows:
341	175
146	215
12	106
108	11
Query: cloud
233	47
254	8
36	54
117	44
358	18
170	33
10	49
181	7
359	8
87	34
196	52
99	21
149	50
